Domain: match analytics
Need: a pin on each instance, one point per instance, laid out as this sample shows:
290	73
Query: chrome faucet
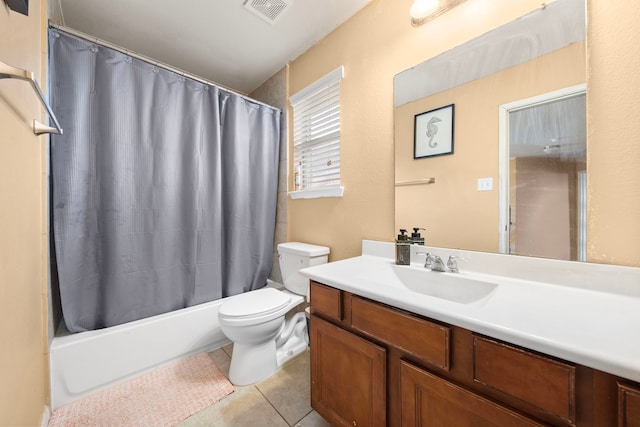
432	262
435	263
452	263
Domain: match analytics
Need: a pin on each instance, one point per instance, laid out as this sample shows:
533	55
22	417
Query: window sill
317	193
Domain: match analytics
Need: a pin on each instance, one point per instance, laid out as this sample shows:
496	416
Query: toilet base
255	362
252	363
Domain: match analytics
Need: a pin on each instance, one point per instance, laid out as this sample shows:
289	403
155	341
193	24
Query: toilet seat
254	307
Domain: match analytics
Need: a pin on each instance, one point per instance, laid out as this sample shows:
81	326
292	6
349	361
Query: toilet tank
295	256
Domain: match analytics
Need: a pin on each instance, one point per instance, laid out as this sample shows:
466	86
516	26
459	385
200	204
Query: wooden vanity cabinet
376	365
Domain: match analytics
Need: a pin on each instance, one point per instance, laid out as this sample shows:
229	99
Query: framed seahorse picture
433	132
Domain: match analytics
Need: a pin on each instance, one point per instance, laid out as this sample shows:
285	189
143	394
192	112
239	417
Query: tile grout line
272	405
257	388
305	416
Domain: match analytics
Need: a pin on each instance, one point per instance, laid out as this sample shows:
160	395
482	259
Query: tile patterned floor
282	400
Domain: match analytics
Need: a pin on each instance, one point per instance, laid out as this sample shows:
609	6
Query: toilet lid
260	302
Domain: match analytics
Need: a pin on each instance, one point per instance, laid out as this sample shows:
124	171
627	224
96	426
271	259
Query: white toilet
255	321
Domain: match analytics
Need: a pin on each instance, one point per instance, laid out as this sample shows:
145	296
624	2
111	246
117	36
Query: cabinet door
430	401
628	406
348	377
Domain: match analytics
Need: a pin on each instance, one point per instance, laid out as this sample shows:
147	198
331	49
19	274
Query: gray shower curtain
164	188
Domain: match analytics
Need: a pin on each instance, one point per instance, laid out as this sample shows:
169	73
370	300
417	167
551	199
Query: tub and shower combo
163	205
86	362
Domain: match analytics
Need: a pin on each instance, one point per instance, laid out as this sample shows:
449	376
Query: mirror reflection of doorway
544	211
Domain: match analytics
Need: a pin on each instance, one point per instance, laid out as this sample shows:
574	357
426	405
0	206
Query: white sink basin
456	287
450	286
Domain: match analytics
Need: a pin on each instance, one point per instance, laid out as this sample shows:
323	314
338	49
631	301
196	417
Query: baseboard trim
46	416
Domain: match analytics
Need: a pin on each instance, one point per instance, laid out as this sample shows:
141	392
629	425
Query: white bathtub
86	362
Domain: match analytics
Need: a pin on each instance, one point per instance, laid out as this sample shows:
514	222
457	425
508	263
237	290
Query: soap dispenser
416	239
403	248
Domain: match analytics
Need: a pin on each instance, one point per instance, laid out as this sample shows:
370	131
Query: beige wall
544	210
453	211
379	42
23	238
374	45
613	132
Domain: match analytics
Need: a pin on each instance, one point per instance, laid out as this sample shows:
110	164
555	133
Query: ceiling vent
269	10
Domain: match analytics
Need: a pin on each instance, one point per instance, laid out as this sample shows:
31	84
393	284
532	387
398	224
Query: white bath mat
163	397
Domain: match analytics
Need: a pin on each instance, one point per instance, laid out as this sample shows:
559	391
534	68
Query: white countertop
584	313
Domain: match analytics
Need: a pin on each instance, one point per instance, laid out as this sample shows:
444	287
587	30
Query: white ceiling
219	40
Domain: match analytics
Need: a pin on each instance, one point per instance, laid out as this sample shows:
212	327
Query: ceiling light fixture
421	9
425	10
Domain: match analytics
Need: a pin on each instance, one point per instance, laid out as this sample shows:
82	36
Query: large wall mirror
514	181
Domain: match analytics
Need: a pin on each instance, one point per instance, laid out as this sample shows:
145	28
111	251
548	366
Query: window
316	138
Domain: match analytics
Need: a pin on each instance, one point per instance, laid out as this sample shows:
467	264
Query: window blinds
316	133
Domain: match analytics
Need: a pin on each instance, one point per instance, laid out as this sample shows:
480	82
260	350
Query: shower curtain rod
149	60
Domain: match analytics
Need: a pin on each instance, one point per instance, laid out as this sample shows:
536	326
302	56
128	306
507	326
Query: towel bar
9	72
416	182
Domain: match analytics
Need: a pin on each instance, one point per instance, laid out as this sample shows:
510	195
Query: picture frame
433	132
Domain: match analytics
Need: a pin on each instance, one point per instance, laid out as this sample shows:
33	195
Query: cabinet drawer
628	406
540	381
428	400
326	301
418	337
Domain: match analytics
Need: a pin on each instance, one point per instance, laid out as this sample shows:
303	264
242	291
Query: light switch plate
485	184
